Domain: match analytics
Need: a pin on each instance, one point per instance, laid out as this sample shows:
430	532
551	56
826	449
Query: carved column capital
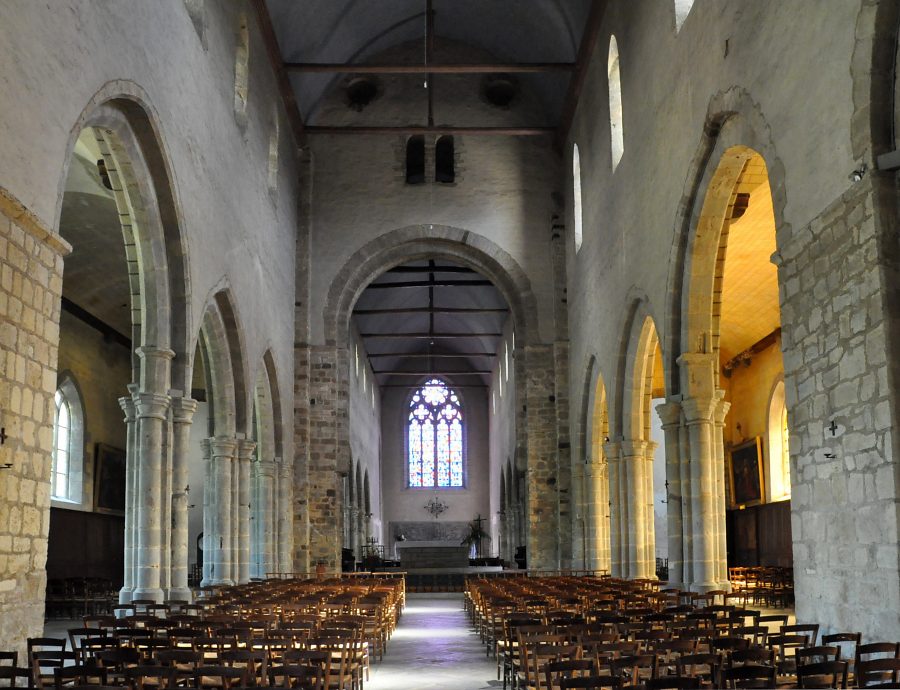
721	409
152	405
245	448
126	402
634	448
669	413
699	409
183	410
222	447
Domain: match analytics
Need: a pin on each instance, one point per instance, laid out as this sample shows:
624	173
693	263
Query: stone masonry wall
843	477
31	264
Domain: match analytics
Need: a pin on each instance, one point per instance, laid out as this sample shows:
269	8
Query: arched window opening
616	129
444	164
682	10
435	437
576	186
779	456
415	160
274	140
68	443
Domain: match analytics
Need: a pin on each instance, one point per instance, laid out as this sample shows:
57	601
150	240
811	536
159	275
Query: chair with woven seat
706	667
219	676
555	671
78	674
148	677
673	683
254	661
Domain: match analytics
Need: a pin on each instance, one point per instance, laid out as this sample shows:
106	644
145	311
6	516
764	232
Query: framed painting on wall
747	473
109	480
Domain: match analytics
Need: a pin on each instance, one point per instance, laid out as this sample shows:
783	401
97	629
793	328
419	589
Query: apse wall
402	504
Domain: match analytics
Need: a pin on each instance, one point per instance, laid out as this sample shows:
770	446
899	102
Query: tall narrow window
576	197
444	164
435	437
682	10
616	130
779	474
415	160
68	442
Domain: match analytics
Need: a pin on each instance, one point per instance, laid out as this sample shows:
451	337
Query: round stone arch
595	402
734	123
630	404
220	342
429	241
141	171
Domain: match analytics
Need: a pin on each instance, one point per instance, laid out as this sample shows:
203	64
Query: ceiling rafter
435	68
576	85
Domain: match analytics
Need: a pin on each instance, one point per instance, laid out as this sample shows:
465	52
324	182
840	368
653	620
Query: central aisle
434	648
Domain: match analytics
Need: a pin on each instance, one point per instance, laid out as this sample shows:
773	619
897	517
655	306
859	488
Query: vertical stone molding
208	517
285	547
182	416
616	505
266	473
220	555
579	517
131	473
722	545
699	416
245	451
639	534
597	515
152	417
670	414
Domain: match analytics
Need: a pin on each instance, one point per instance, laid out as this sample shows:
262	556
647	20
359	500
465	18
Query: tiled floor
434	648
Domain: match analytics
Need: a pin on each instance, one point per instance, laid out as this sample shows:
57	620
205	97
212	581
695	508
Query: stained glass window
435	437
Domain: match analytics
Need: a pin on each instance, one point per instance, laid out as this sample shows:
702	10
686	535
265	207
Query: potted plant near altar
476	536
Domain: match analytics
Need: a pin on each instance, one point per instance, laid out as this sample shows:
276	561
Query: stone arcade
618	275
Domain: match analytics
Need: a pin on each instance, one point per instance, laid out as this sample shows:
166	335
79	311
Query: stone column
222	451
670	414
578	518
617	511
152	415
648	498
285	548
244	455
182	415
722	547
266	512
131	474
597	515
698	414
208	507
639	531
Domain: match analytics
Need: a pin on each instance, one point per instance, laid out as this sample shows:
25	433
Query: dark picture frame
109	480
747	473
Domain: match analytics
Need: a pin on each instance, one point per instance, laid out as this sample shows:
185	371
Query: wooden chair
555	671
255	663
673	683
44	655
13	676
78	674
634	670
591	683
223	677
878	673
705	667
833	673
749	676
148	677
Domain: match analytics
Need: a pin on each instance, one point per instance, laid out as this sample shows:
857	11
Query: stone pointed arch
267	403
130	137
638	335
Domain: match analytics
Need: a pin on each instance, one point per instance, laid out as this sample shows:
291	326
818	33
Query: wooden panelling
85	545
760	535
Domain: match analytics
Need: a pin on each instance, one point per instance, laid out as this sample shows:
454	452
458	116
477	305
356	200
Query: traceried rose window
435	437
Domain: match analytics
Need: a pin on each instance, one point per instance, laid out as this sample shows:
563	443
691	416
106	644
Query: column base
227	582
125	595
180	594
704	587
155	594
